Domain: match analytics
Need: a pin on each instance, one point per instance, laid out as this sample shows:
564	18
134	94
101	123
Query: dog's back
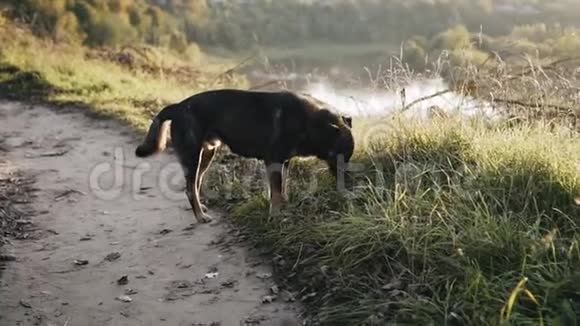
249	122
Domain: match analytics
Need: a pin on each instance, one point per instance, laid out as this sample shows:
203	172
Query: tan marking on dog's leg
193	196
207	156
284	190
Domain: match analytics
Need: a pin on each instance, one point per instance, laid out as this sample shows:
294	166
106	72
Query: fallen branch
53	154
230	71
425	98
532	105
549	66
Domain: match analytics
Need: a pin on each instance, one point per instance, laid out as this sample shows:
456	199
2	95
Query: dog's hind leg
274	171
207	155
188	146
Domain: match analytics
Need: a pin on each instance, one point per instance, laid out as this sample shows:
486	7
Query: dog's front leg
274	171
193	195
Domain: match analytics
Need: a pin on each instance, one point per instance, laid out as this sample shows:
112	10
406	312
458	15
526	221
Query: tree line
468	26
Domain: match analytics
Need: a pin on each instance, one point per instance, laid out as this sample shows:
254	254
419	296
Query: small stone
130	292
229	284
25	304
124	280
124	298
183	285
268	298
113	256
264	276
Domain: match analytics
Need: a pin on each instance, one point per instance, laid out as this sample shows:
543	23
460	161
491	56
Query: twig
298	258
551	65
53	154
424	98
67	193
266	84
531	105
65	271
234	68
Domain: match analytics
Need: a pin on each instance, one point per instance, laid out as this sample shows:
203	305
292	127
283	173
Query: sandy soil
95	203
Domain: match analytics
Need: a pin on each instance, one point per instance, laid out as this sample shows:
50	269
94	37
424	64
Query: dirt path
166	258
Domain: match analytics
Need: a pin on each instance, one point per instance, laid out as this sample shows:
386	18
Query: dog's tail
156	138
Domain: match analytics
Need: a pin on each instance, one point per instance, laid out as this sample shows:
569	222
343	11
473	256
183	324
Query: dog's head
333	138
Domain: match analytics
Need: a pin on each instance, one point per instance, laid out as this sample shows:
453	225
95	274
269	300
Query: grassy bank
129	84
450	222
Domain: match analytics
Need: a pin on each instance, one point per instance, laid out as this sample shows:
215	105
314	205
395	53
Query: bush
109	30
467	57
456	38
567	45
67	28
178	42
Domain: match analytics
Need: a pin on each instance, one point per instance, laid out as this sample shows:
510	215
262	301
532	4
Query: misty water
369	102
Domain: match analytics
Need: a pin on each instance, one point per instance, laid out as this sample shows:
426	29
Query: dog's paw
204	218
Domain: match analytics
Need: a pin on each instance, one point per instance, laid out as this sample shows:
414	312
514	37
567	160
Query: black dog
270	126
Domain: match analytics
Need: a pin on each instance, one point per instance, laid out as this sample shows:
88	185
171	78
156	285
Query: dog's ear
325	125
347	120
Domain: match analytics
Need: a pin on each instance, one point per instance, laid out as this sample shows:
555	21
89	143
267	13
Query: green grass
36	69
459	214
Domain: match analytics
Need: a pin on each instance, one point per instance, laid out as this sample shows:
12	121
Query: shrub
111	31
